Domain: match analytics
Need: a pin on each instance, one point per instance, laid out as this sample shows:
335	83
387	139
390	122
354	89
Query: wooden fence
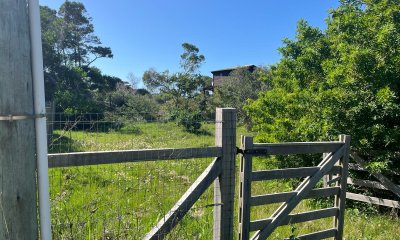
381	183
221	172
335	163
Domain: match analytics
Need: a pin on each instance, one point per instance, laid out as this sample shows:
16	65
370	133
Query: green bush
343	80
189	120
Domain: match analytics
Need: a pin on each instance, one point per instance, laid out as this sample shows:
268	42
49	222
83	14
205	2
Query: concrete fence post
224	185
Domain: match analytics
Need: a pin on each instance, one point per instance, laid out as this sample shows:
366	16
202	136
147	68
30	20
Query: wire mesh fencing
96	132
126	200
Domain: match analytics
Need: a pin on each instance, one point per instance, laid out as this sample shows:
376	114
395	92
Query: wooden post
224	186
18	213
245	189
340	200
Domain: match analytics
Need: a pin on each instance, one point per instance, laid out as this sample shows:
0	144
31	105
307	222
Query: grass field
124	201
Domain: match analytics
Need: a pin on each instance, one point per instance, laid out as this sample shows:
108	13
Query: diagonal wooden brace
172	218
302	190
385	181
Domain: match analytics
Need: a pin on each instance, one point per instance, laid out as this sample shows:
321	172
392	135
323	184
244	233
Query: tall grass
124	201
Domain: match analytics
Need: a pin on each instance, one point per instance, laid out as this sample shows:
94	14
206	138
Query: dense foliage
69	48
345	79
240	86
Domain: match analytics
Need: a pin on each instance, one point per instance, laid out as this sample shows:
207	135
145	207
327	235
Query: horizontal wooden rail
283	173
260	149
284	196
108	157
328	233
373	200
288	173
296	218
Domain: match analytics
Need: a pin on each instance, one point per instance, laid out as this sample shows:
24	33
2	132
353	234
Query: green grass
118	201
137	136
124	201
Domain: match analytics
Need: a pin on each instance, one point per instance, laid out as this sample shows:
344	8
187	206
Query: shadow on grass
202	132
62	144
130	129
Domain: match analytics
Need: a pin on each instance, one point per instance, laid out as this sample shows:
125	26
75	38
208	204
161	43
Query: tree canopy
69	47
79	44
236	89
345	79
182	92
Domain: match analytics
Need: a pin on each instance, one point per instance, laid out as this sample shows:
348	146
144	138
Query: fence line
221	171
383	183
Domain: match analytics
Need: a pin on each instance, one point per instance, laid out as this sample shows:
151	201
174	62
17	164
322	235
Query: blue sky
149	33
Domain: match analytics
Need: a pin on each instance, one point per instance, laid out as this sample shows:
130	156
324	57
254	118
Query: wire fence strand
125	200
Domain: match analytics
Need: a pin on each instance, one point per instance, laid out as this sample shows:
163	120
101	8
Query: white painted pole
40	120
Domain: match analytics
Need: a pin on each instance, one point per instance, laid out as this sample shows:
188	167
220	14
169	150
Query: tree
181	91
69	47
190	58
133	80
343	80
127	105
157	81
79	40
238	88
187	83
52	59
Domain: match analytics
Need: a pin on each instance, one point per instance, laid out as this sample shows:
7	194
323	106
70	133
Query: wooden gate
335	162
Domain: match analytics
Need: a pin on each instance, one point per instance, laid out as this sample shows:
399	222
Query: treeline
345	79
70	47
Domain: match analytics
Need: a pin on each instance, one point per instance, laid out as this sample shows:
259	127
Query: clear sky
149	33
